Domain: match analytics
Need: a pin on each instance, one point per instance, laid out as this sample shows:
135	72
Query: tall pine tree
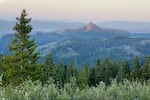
106	71
92	77
83	78
136	70
49	68
124	71
146	70
126	68
98	70
1	64
22	61
72	71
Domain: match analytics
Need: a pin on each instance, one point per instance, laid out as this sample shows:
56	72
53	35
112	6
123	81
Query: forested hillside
86	49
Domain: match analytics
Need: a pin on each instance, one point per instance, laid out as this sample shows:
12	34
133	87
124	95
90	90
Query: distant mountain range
48	26
87	43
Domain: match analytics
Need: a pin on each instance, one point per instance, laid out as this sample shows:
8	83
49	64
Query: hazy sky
88	10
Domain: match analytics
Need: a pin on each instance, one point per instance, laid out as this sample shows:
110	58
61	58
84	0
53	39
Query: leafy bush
30	90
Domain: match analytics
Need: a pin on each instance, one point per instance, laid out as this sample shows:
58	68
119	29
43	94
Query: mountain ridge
92	30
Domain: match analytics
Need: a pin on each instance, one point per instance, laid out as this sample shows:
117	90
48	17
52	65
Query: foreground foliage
30	90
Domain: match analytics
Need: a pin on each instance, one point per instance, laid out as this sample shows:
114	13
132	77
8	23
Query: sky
79	10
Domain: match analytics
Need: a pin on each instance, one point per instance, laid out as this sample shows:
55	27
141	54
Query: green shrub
30	90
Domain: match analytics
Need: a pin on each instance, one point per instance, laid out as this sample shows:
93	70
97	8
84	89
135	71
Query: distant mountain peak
91	27
91	24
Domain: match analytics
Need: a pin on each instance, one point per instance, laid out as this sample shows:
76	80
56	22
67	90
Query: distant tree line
22	64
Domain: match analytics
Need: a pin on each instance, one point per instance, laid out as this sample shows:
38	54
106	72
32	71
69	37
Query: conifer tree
22	61
136	70
84	76
124	71
1	64
120	75
60	76
49	68
92	77
72	71
98	70
106	71
126	68
98	63
65	74
146	70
